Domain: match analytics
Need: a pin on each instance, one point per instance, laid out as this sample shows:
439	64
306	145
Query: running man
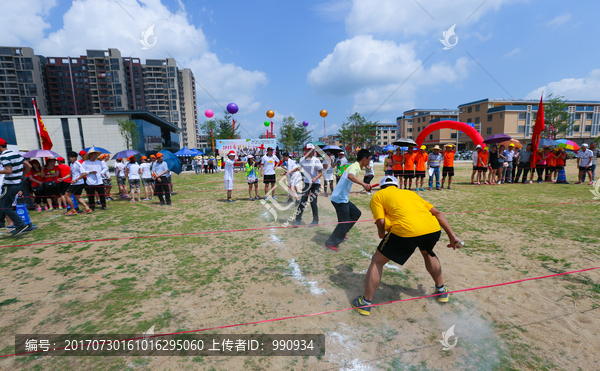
347	213
269	163
449	152
404	221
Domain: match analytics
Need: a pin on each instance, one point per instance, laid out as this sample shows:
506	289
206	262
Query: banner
244	144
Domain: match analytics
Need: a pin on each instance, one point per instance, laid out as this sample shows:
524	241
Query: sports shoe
472	182
486	183
39	209
332	248
266	198
297	223
314	223
146	199
104	207
575	183
60	208
478	183
88	211
274	197
230	200
251	198
169	204
346	238
50	209
449	187
360	302
444	297
429	189
438	189
163	204
590	183
71	212
422	189
10	227
19	231
109	198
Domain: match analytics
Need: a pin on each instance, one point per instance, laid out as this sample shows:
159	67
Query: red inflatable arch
454	125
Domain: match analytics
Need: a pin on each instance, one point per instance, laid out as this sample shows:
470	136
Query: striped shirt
15	160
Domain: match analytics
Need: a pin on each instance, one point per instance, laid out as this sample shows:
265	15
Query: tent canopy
185	152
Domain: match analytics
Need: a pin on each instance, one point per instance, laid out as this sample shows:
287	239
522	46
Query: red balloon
454	125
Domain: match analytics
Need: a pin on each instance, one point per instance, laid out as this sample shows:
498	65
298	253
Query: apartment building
413	121
331	140
188	109
22	77
386	134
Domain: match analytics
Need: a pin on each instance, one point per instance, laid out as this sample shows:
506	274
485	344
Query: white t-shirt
268	164
585	157
93	179
310	168
475	157
134	171
228	174
146	173
76	171
329	173
370	171
296	176
343	161
120	166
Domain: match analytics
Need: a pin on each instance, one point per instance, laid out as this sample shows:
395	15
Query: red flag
233	130
212	140
540	125
271	129
41	129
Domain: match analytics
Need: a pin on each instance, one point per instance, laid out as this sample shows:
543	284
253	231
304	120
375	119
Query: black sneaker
162	204
314	223
19	231
104	208
168	203
297	223
360	302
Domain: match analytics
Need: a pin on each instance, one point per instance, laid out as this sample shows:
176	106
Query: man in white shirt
161	169
312	169
584	162
147	180
294	179
228	174
93	167
268	164
76	187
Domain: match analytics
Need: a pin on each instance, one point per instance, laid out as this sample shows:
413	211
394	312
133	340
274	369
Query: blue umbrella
547	142
103	150
124	154
332	148
172	161
389	147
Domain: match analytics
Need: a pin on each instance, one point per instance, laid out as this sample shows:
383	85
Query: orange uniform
421	160
551	161
449	158
409	164
482	159
397	162
560	161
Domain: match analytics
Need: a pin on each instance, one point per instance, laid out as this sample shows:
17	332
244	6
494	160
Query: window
477	108
588	116
385	132
393	131
470	109
490	117
578	116
489	131
452	135
419	119
521	129
431	137
477	120
588	128
419	128
469	120
522	115
409	130
576	128
501	115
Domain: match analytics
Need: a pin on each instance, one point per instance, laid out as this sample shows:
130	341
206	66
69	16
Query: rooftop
145	115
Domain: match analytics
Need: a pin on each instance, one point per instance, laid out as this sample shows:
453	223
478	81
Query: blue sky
347	56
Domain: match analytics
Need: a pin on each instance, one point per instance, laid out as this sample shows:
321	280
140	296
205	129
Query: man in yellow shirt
410	222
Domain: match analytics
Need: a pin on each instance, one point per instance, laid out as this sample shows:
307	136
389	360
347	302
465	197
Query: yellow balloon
323	113
270	113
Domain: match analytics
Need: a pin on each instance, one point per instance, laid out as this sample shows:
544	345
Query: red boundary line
344	309
265	228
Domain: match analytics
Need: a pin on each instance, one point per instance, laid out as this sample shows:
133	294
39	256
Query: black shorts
560	167
551	168
399	249
51	189
523	165
368	179
62	188
398	173
420	174
482	169
584	168
76	189
449	170
269	179
409	174
496	165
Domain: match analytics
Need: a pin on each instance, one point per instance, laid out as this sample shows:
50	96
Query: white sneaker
275	197
266	198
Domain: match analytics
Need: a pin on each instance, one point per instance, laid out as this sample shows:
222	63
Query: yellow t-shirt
405	212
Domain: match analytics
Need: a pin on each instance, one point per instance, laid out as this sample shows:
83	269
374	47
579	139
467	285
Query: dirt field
191	282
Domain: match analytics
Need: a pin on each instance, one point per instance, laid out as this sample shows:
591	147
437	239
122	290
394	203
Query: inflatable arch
454	125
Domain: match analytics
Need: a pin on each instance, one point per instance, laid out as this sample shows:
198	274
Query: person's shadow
353	283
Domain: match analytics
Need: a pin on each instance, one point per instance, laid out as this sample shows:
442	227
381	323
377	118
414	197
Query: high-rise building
189	112
21	79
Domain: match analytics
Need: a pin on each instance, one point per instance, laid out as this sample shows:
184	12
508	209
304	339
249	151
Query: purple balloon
305	123
232	108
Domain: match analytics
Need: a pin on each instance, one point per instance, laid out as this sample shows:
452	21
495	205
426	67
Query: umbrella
126	153
172	161
41	153
497	138
568	144
103	150
547	142
331	148
389	147
513	141
404	142
319	143
376	148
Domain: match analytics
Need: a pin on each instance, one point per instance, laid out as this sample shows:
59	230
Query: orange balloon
323	113
270	114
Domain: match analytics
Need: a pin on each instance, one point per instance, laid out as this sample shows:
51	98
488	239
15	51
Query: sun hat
584	145
388	180
342	153
436	147
130	158
249	156
152	156
159	155
511	145
143	158
312	146
270	149
87	155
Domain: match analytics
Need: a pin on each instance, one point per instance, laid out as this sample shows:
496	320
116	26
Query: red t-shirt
51	174
409	165
397	162
65	172
560	161
449	158
37	175
421	159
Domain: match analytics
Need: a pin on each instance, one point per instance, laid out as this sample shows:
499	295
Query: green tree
293	135
358	132
222	127
556	117
130	133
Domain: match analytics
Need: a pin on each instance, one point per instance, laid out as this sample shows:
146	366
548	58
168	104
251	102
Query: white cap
249	156
478	146
342	153
231	153
388	180
310	146
584	145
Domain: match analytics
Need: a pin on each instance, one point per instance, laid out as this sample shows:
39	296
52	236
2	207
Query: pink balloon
209	113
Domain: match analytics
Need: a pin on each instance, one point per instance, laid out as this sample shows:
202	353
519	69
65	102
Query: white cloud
560	20
24	21
371	70
512	52
586	88
390	17
103	24
335	10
